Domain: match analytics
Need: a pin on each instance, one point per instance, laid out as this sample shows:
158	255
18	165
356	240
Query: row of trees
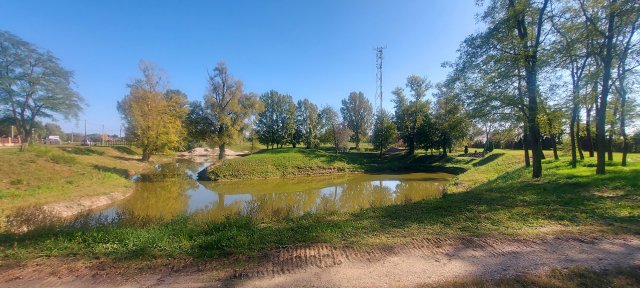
539	63
159	118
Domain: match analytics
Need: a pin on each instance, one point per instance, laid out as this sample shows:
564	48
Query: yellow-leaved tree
153	115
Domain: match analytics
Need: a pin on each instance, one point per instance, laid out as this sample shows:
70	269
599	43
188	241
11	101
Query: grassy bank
46	174
292	162
565	202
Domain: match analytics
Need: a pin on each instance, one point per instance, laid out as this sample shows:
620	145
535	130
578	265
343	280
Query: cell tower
379	57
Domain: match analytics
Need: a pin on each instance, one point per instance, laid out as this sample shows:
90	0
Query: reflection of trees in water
329	202
159	195
355	195
411	191
276	205
380	195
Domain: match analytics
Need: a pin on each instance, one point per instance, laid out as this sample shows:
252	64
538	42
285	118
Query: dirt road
420	261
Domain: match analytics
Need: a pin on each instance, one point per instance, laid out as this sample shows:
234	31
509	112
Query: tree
33	85
200	123
308	123
410	114
551	123
384	131
572	47
328	120
229	105
608	21
341	136
450	120
52	129
276	123
357	113
153	115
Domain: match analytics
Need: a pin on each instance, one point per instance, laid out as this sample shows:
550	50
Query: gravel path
420	261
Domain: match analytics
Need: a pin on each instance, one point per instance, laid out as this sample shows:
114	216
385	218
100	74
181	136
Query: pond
173	190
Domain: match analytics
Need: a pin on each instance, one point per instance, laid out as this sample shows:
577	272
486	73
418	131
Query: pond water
173	190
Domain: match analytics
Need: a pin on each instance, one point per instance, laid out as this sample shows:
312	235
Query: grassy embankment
46	174
510	204
290	162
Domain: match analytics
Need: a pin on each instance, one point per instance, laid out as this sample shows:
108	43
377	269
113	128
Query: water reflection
172	191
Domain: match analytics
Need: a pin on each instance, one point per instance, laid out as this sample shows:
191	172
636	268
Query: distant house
52	140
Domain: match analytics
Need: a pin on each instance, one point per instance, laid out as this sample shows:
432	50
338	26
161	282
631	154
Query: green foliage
276	123
35	85
154	116
410	115
229	106
308	123
384	131
357	114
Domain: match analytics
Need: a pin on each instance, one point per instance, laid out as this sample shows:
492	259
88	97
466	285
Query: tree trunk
555	147
572	134
525	145
222	151
444	149
578	137
611	132
589	136
602	109
146	155
623	130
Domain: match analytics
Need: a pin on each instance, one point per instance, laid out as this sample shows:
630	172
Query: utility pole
102	142
379	57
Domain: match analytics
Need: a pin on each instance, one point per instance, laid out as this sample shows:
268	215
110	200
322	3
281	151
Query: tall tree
357	113
308	122
276	123
606	20
33	85
571	45
410	114
153	115
628	50
450	120
229	105
384	131
328	121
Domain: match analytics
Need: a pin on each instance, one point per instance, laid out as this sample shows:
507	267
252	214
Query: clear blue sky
319	50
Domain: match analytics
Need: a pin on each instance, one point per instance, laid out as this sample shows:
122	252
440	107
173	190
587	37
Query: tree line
543	65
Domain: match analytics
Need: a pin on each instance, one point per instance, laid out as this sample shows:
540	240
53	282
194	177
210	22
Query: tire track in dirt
293	259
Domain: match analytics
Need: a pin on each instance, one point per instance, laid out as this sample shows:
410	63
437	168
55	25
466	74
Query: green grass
565	202
292	162
284	162
45	174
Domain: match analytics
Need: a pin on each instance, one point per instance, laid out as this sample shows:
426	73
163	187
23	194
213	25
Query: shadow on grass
81	151
125	150
124	173
488	159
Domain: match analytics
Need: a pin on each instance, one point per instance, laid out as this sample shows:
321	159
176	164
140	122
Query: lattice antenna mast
379	57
